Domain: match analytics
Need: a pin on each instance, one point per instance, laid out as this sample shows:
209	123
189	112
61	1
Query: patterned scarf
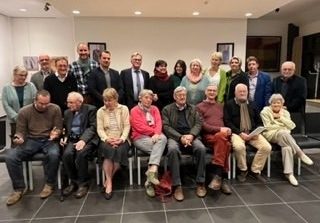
149	117
245	121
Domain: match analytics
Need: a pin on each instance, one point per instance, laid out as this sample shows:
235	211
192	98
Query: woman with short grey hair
276	119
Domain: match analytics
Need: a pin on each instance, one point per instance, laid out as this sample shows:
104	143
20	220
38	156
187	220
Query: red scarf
161	76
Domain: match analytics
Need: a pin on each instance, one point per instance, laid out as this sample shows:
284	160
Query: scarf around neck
149	117
245	121
161	76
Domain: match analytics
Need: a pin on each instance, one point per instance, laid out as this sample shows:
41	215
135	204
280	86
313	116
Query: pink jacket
139	125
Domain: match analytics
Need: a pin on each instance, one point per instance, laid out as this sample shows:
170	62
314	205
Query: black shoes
69	189
81	192
242	176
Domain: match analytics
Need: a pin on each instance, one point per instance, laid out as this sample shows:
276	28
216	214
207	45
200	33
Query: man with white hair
292	87
80	141
242	118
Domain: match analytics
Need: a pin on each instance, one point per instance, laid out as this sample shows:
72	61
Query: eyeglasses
42	60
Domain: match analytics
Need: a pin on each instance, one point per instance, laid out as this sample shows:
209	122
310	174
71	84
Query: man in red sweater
217	137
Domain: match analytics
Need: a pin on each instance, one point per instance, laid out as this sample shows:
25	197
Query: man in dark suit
292	87
260	86
80	142
134	80
104	77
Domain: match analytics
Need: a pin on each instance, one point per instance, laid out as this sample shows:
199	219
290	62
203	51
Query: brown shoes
81	192
15	196
225	188
201	190
215	183
242	176
178	194
46	191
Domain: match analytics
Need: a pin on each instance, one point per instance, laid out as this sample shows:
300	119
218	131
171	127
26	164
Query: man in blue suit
260	86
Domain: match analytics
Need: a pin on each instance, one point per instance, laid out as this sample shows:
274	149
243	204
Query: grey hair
143	92
77	95
198	61
178	89
240	85
19	69
276	97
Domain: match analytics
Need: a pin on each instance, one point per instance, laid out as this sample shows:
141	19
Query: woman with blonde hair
113	127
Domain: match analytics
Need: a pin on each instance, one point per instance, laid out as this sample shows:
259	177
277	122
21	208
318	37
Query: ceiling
296	10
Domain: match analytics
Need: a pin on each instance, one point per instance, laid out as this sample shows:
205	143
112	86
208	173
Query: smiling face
195	68
211	92
287	69
215	62
235	65
181	98
44	61
62	67
241	92
146	100
276	106
83	51
105	60
136	61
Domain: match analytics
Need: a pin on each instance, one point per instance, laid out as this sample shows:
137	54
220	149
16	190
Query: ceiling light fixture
196	13
76	12
22	10
248	14
137	13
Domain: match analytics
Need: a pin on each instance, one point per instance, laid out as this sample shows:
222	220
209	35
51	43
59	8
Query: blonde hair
19	69
216	55
110	93
198	61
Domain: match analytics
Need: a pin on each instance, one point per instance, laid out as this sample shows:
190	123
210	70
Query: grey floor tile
54	208
190	201
138	201
188	216
24	209
156	217
309	211
99	219
256	194
314	186
218	199
233	214
96	204
276	213
55	220
290	193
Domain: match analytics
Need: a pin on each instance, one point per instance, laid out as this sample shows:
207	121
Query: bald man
292	87
38	78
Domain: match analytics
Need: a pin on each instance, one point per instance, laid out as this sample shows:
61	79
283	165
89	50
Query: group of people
87	107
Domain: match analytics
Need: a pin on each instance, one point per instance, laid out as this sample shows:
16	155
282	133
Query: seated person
241	117
182	125
217	137
278	125
80	143
147	136
38	128
113	127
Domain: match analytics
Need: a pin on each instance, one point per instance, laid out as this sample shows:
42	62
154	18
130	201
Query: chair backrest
312	123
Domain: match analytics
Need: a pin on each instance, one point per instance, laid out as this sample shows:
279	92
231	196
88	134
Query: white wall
310	28
168	39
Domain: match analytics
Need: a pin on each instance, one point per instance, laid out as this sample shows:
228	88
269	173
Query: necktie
138	83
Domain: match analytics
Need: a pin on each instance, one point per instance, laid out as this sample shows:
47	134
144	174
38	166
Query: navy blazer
88	123
263	91
97	83
126	77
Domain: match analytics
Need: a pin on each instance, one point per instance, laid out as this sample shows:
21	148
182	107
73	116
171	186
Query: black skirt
118	155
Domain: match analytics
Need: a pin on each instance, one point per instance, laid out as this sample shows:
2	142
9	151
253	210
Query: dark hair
104	51
183	65
43	93
160	63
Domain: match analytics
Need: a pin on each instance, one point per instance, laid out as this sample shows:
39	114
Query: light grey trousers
155	150
289	148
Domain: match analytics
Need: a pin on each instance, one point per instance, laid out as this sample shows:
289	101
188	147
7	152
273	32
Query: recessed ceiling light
22	10
196	13
76	12
248	14
137	13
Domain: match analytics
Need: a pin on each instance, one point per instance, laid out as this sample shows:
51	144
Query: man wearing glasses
45	70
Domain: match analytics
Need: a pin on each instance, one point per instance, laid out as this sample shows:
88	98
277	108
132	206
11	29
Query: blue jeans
25	152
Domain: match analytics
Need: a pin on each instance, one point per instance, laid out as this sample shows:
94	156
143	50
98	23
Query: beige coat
274	125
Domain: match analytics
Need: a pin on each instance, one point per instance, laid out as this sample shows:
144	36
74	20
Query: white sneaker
304	158
293	181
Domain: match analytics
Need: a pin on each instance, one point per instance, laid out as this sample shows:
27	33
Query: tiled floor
274	202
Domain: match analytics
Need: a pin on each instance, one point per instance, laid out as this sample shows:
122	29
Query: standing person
80	142
235	76
292	87
162	85
278	125
180	70
147	136
134	79
81	69
60	84
104	77
242	118
182	126
17	94
217	137
38	78
195	82
217	75
113	127
260	86
38	128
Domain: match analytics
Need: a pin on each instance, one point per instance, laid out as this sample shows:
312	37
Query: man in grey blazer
80	142
38	78
134	80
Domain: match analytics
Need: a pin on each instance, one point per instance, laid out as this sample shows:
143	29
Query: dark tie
138	82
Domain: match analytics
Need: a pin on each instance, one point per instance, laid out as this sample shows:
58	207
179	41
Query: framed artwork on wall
95	49
30	63
227	50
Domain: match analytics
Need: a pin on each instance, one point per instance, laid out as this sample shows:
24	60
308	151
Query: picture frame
227	50
30	63
95	48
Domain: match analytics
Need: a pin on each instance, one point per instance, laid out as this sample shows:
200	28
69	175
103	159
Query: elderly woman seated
146	123
278	124
113	128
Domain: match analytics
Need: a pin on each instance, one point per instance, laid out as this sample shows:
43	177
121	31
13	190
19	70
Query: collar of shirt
62	79
252	76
